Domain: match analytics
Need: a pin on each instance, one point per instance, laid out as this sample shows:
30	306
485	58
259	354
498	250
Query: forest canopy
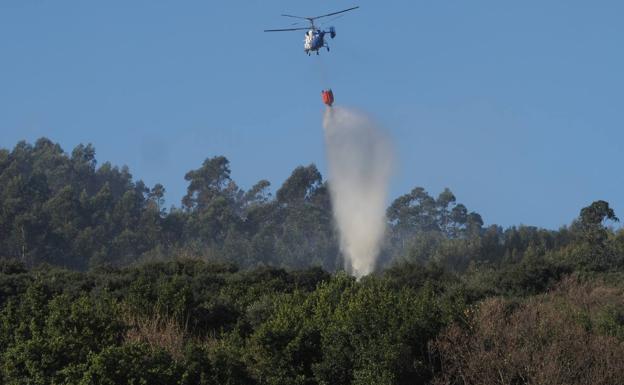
66	210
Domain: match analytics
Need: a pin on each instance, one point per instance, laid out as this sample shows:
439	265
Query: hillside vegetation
101	284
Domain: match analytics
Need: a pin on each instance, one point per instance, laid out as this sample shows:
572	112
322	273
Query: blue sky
515	106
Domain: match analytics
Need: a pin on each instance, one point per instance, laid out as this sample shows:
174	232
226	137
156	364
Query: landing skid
318	50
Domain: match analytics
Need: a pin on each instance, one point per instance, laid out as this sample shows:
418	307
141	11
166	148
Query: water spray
360	160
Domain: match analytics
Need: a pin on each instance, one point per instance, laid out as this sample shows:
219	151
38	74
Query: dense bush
189	322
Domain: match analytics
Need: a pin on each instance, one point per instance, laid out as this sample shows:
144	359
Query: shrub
558	338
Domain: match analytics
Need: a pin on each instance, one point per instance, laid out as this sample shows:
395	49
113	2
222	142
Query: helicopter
314	37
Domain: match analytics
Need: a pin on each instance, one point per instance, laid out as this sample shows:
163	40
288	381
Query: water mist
360	160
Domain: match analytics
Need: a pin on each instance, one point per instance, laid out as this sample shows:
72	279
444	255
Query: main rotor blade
299	17
334	13
286	29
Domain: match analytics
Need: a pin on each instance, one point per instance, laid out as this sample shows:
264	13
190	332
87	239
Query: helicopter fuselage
314	39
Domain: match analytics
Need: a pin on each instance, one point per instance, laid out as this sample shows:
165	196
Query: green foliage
189	322
240	287
130	364
60	209
44	335
348	332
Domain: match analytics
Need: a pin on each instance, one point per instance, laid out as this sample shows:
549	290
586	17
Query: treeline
64	210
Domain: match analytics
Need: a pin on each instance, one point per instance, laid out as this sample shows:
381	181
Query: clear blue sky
516	106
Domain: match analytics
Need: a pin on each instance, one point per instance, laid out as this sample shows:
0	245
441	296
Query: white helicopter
314	37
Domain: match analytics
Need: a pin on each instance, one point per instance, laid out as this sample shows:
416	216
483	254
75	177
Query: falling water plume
360	159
